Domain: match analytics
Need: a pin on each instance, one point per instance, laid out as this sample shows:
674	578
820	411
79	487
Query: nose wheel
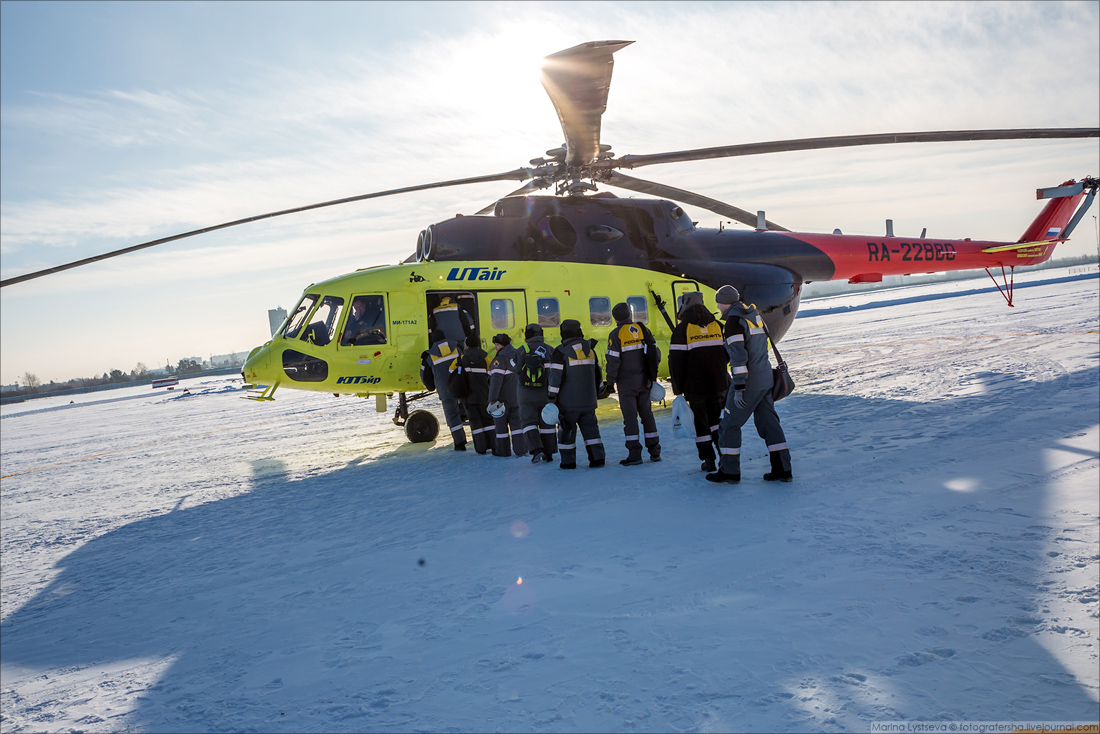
420	425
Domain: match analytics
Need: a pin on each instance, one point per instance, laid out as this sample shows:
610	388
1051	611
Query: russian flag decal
1053	232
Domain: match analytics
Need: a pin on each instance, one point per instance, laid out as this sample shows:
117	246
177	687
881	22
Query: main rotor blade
517	175
577	80
845	141
687	197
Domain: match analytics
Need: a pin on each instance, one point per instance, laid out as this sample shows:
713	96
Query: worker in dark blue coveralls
474	363
698	366
575	384
750	394
632	360
533	379
441	360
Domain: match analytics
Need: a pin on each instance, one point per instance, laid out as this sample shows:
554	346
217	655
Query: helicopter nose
258	367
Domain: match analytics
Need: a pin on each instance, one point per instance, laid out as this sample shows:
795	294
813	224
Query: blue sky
122	122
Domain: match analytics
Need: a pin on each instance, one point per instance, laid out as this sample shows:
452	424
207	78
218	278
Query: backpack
532	372
426	374
457	383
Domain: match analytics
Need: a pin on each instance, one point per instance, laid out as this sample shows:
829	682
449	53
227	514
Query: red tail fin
1054	217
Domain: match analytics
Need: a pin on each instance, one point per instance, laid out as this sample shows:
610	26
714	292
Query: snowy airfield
197	562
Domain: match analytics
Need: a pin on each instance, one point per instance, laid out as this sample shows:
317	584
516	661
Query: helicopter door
679	288
501	312
453	312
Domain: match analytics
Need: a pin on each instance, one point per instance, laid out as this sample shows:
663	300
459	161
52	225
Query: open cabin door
679	288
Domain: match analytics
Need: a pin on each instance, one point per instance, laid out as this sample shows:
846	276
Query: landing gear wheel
421	426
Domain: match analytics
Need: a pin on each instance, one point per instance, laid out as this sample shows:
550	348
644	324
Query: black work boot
778	473
720	477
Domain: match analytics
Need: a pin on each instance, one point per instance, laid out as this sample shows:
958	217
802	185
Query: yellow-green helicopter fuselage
313	351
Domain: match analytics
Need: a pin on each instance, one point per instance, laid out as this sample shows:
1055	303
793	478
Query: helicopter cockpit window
639	309
599	311
502	313
294	323
366	322
548	312
323	326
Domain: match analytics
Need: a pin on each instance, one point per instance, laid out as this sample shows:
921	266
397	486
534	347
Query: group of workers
533	399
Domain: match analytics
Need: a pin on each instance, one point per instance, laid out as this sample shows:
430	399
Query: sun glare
496	78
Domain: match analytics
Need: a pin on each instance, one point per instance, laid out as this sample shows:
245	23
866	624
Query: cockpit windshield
322	326
294	323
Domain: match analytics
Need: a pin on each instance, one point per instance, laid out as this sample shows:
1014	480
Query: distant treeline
32	386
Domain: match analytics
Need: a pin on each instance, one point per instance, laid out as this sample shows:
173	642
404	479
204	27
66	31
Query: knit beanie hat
472	341
621	312
689	299
727	294
570	328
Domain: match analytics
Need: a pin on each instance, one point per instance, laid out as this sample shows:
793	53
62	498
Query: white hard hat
497	409
550	414
657	392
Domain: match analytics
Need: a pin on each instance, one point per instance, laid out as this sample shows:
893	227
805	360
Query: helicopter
573	254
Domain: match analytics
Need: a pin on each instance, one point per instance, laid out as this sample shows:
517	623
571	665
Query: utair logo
357	380
475	274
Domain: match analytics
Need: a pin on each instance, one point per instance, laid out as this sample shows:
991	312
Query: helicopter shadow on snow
287	587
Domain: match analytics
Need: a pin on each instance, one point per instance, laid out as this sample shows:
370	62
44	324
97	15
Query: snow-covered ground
198	562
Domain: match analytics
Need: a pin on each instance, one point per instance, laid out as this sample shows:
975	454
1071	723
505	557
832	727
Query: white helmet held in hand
497	409
550	414
657	392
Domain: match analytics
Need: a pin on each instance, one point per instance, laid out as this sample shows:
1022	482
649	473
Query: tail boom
868	260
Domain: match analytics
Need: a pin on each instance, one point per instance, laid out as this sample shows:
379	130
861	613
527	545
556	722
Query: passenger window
294	323
366	322
548	312
323	326
502	314
639	309
599	311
